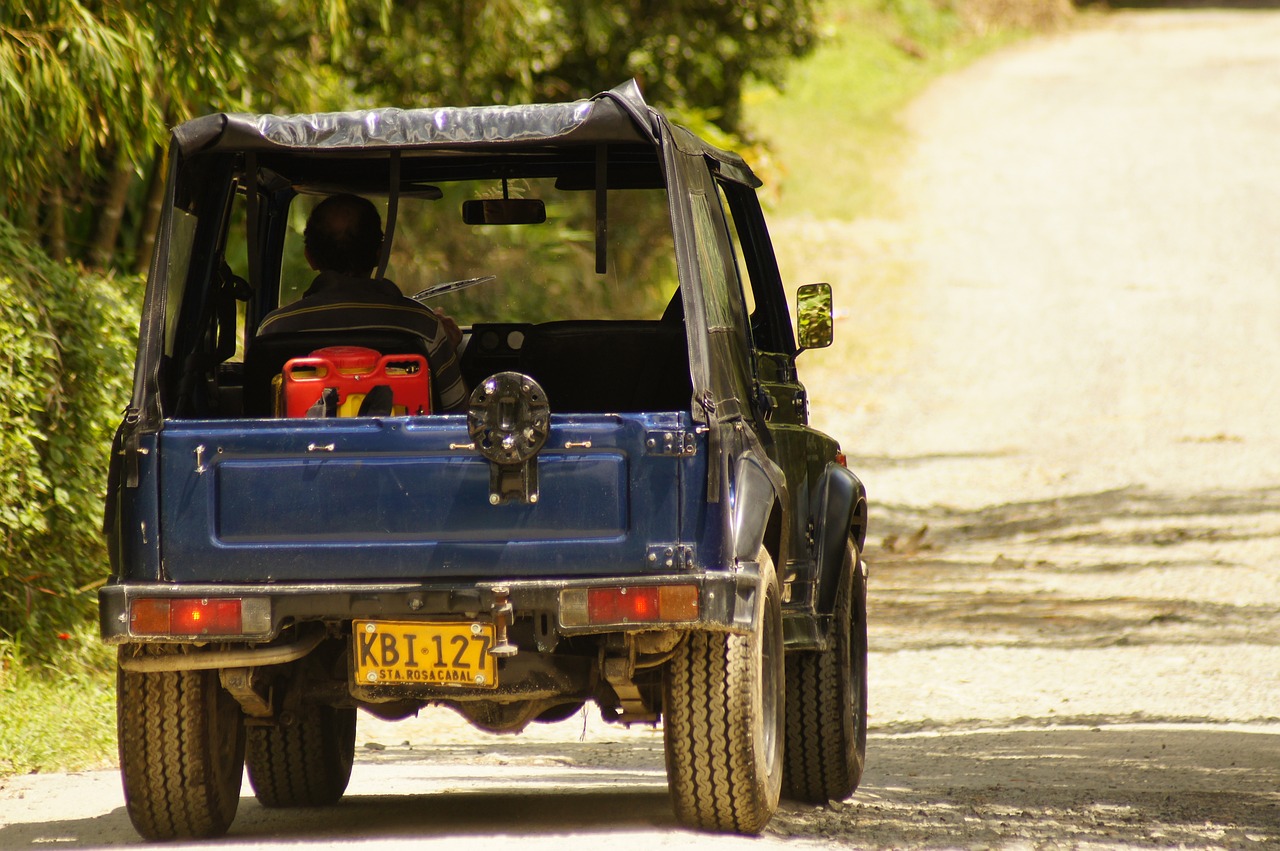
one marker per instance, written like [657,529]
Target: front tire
[826,727]
[305,761]
[723,700]
[181,753]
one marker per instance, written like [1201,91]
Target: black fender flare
[841,516]
[758,488]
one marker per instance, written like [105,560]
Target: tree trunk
[103,248]
[462,52]
[57,224]
[150,214]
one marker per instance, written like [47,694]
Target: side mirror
[504,211]
[813,316]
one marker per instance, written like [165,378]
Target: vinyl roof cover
[618,115]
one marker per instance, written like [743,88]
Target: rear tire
[723,699]
[181,753]
[304,763]
[826,727]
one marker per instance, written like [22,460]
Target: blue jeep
[632,511]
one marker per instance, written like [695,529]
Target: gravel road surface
[1057,372]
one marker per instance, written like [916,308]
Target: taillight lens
[629,604]
[622,605]
[199,616]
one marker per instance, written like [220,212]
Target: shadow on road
[1042,517]
[1143,785]
[549,810]
[1074,571]
[553,807]
[1114,786]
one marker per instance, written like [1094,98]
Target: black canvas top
[619,115]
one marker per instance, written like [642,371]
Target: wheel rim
[771,683]
[856,656]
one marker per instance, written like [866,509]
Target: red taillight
[630,604]
[841,459]
[205,617]
[622,605]
[185,616]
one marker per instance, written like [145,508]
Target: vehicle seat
[266,356]
[610,366]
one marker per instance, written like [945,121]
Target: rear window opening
[529,297]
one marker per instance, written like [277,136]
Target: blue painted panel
[139,517]
[368,499]
[406,498]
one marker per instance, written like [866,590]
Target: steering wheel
[451,287]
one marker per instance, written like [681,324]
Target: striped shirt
[338,302]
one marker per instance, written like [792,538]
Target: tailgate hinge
[677,443]
[670,557]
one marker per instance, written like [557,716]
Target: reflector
[149,617]
[678,602]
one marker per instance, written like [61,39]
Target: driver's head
[344,234]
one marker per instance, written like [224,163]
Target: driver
[342,241]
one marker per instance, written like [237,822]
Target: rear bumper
[727,602]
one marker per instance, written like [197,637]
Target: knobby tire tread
[825,737]
[170,753]
[303,764]
[709,734]
[817,764]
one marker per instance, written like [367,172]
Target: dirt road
[1057,373]
[1075,456]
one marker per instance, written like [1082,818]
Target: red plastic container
[353,371]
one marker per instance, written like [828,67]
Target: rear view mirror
[504,211]
[813,316]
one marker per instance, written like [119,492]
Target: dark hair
[344,234]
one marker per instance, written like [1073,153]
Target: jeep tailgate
[399,498]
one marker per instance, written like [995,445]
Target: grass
[834,129]
[58,716]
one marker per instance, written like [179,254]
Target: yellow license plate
[405,653]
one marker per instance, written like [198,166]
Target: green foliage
[834,122]
[701,54]
[75,84]
[686,54]
[66,345]
[547,272]
[88,88]
[924,22]
[541,272]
